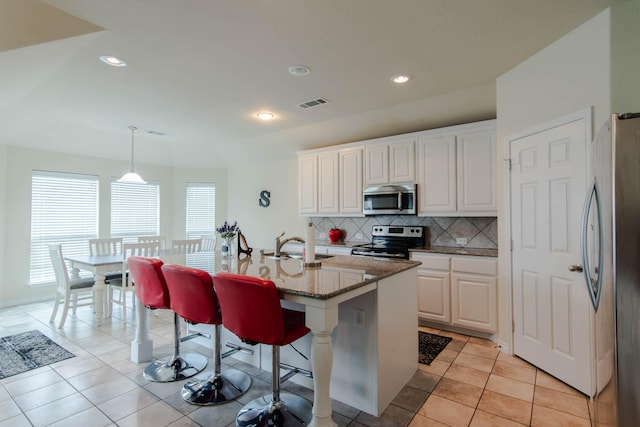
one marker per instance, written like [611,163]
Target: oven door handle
[377,254]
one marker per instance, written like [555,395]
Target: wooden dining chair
[151,239]
[74,293]
[148,250]
[110,246]
[187,246]
[208,244]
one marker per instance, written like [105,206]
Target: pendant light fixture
[131,177]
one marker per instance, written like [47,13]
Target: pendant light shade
[132,177]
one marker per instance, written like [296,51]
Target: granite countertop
[336,274]
[456,250]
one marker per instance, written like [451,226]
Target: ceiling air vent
[314,103]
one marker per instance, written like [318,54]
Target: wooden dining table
[99,265]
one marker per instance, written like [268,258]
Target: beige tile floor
[471,383]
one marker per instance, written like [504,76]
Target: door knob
[576,267]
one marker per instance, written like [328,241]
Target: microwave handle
[400,200]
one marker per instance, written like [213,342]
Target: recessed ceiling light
[401,78]
[299,70]
[113,61]
[265,116]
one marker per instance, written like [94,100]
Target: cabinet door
[328,182]
[437,178]
[473,302]
[351,181]
[376,164]
[308,184]
[402,161]
[477,173]
[434,295]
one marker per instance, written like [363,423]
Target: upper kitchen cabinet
[457,171]
[392,161]
[330,182]
[350,183]
[308,184]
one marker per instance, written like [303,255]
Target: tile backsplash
[480,232]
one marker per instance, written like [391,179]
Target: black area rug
[29,350]
[429,346]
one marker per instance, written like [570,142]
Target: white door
[550,303]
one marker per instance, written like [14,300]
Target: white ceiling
[199,71]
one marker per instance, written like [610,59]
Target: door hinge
[511,245]
[508,162]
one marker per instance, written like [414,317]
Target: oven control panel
[397,231]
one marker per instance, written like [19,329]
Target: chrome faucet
[281,243]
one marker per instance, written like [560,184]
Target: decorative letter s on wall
[264,198]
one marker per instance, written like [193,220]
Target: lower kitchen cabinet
[458,290]
[434,302]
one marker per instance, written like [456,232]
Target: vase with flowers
[228,233]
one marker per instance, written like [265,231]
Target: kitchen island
[362,314]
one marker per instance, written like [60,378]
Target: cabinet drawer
[432,262]
[474,265]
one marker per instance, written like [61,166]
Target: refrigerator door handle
[593,283]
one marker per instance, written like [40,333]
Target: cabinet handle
[576,267]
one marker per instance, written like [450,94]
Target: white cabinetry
[330,183]
[308,184]
[457,171]
[391,161]
[433,288]
[458,290]
[350,187]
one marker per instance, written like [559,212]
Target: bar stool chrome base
[176,368]
[212,389]
[291,410]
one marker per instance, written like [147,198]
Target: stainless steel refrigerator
[611,257]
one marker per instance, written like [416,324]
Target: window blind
[135,210]
[64,210]
[201,210]
[201,220]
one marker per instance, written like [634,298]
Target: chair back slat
[208,243]
[59,267]
[112,246]
[187,246]
[149,239]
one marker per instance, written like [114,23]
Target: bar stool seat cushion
[277,326]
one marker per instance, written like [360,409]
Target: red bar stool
[194,299]
[152,291]
[251,309]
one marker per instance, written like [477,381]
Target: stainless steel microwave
[390,200]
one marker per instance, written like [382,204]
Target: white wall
[625,57]
[569,75]
[261,225]
[3,221]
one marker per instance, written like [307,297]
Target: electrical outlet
[358,316]
[461,241]
[359,236]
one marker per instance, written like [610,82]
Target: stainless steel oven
[390,200]
[392,241]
